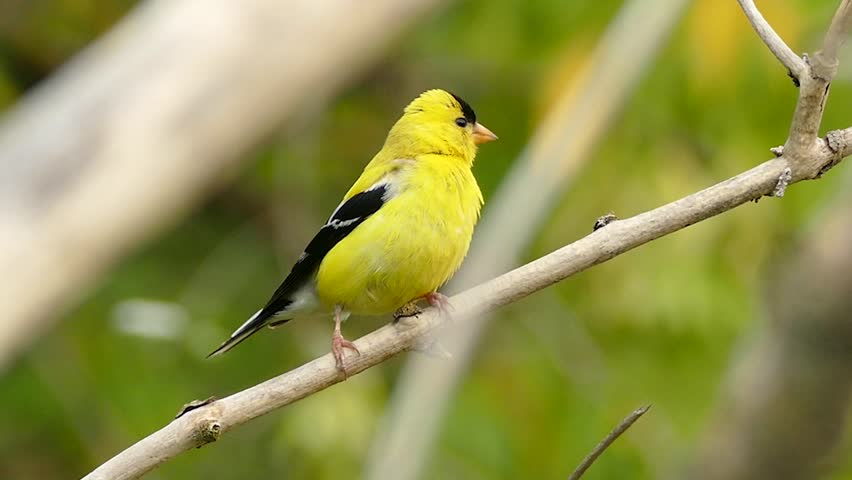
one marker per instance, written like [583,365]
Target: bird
[400,232]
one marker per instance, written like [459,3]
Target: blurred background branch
[513,217]
[784,410]
[140,127]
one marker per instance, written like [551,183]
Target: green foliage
[556,371]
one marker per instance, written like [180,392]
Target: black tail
[252,325]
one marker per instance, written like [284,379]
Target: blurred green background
[658,325]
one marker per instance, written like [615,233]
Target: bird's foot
[441,302]
[338,346]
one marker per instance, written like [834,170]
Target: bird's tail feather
[252,325]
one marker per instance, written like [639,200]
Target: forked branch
[813,75]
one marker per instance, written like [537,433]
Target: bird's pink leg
[338,343]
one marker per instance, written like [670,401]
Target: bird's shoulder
[391,173]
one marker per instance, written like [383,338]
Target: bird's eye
[461,121]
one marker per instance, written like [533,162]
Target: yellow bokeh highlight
[718,33]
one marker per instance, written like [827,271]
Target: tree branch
[607,441]
[814,85]
[207,423]
[795,65]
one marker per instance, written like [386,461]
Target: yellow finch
[400,232]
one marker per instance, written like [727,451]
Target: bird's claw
[338,346]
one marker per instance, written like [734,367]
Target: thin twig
[207,423]
[782,52]
[837,33]
[788,392]
[607,441]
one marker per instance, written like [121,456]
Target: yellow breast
[410,247]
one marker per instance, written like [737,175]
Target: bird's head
[438,122]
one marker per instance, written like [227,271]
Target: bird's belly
[376,269]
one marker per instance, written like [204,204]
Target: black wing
[342,222]
[345,219]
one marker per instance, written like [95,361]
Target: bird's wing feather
[343,221]
[348,215]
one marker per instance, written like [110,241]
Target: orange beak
[482,134]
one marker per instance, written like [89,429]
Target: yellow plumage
[400,232]
[415,242]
